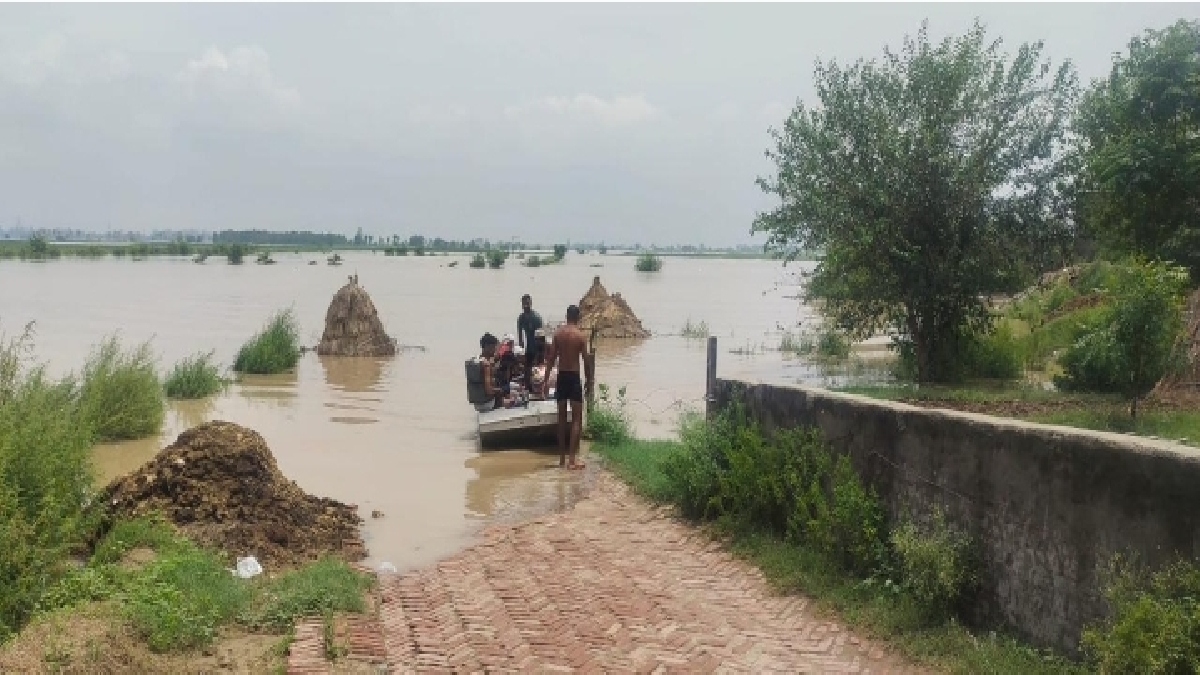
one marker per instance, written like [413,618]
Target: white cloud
[620,110]
[239,73]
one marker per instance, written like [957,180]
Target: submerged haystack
[220,485]
[352,326]
[608,315]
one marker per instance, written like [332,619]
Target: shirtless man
[568,349]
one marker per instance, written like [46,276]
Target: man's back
[569,346]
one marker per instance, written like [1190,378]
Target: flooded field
[397,434]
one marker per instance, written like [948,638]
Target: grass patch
[803,518]
[980,393]
[181,599]
[194,377]
[121,397]
[322,587]
[1173,425]
[275,349]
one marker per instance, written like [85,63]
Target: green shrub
[648,262]
[790,485]
[496,258]
[996,355]
[45,478]
[832,344]
[1133,348]
[178,600]
[533,261]
[607,419]
[1154,626]
[936,564]
[194,377]
[479,261]
[275,349]
[325,586]
[235,254]
[121,397]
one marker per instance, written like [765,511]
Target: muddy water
[397,434]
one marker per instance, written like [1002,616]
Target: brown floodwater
[397,434]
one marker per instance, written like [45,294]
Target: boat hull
[532,426]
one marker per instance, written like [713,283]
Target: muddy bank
[220,485]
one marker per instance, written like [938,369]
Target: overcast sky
[619,122]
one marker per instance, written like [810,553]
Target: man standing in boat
[569,349]
[528,323]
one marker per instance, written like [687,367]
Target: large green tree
[1140,149]
[929,178]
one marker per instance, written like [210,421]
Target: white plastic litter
[387,567]
[248,567]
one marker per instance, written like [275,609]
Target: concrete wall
[1049,505]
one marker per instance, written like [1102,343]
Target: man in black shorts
[529,323]
[568,349]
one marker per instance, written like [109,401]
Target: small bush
[607,420]
[832,344]
[276,349]
[936,565]
[179,600]
[479,261]
[325,586]
[1154,626]
[235,254]
[790,485]
[648,262]
[1133,348]
[533,261]
[560,252]
[121,397]
[45,479]
[996,355]
[496,258]
[194,377]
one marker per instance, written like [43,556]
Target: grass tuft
[275,349]
[194,377]
[121,397]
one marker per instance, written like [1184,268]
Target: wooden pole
[710,388]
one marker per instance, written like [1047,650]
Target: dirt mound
[608,315]
[1185,384]
[219,483]
[352,326]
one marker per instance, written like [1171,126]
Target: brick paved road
[613,585]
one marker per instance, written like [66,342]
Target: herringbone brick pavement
[613,585]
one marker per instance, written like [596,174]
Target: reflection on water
[359,374]
[516,485]
[397,434]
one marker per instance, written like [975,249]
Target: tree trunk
[1133,408]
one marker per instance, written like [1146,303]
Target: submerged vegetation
[194,377]
[648,262]
[273,350]
[120,395]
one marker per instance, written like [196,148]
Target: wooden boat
[532,426]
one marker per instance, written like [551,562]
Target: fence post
[710,388]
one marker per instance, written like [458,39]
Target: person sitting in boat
[538,375]
[483,391]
